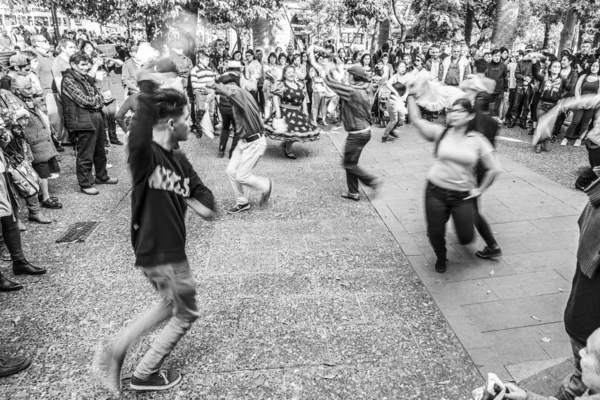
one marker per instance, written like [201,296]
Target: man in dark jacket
[497,71]
[526,69]
[82,106]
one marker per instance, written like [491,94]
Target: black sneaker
[387,140]
[488,253]
[393,134]
[440,265]
[238,208]
[161,380]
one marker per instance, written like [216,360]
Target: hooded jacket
[499,73]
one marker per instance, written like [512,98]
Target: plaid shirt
[71,88]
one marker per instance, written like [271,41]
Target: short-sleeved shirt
[457,157]
[59,66]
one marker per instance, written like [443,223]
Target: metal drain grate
[77,232]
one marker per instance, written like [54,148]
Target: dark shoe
[51,203]
[488,253]
[393,134]
[387,140]
[6,285]
[67,144]
[10,366]
[109,181]
[351,196]
[580,187]
[91,190]
[538,148]
[523,126]
[40,219]
[238,208]
[511,124]
[221,154]
[531,131]
[160,380]
[24,267]
[60,149]
[290,155]
[545,146]
[264,199]
[116,142]
[5,254]
[440,265]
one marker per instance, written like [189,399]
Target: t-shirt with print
[457,156]
[162,181]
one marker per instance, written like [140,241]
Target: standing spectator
[130,70]
[583,58]
[497,71]
[82,114]
[26,36]
[5,42]
[45,62]
[569,73]
[17,38]
[253,73]
[587,84]
[183,63]
[59,65]
[454,68]
[504,54]
[37,134]
[44,32]
[202,75]
[526,69]
[433,64]
[219,57]
[512,84]
[552,88]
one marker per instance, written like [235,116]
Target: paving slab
[499,310]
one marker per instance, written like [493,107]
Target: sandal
[351,196]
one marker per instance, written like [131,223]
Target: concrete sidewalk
[508,313]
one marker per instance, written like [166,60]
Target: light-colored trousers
[239,171]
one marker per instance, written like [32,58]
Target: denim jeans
[495,103]
[573,387]
[440,204]
[239,170]
[580,124]
[109,112]
[177,285]
[11,237]
[355,143]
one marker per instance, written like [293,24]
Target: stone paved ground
[508,314]
[311,298]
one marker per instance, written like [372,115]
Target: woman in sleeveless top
[452,188]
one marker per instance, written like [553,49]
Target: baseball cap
[358,72]
[18,60]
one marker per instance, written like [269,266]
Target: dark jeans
[440,204]
[495,102]
[109,112]
[520,109]
[588,175]
[91,153]
[560,120]
[534,106]
[573,387]
[581,122]
[11,237]
[483,227]
[228,121]
[355,143]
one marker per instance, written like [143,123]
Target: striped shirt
[202,76]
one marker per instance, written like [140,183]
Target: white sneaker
[108,166]
[577,143]
[564,142]
[53,176]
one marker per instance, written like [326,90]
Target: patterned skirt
[300,128]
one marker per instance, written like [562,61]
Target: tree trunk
[581,32]
[469,14]
[547,27]
[566,35]
[426,39]
[262,34]
[505,23]
[373,41]
[384,32]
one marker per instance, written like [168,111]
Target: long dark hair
[272,54]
